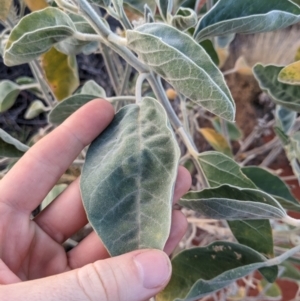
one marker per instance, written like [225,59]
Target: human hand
[32,249]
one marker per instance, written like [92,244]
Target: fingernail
[154,267]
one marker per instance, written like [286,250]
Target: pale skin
[33,263]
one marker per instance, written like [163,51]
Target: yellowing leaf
[61,73]
[217,141]
[297,55]
[223,54]
[290,74]
[34,5]
[242,67]
[5,7]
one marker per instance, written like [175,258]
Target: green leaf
[290,272]
[92,88]
[285,95]
[284,118]
[220,169]
[9,92]
[272,291]
[184,19]
[35,109]
[247,16]
[73,46]
[233,203]
[177,58]
[290,74]
[67,107]
[5,7]
[273,185]
[25,80]
[199,272]
[148,14]
[35,34]
[128,179]
[208,46]
[165,7]
[234,132]
[11,147]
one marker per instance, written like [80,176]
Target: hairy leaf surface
[220,169]
[285,95]
[285,118]
[232,203]
[35,109]
[273,185]
[67,107]
[234,132]
[92,88]
[199,272]
[128,179]
[35,34]
[184,18]
[177,58]
[10,146]
[247,16]
[9,92]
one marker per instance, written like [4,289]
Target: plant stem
[38,74]
[121,98]
[110,68]
[111,39]
[29,86]
[159,91]
[139,86]
[125,80]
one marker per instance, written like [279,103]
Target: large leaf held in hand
[285,95]
[182,62]
[11,147]
[128,179]
[247,16]
[35,34]
[273,185]
[199,272]
[233,203]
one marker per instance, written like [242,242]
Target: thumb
[135,276]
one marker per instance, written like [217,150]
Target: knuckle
[98,281]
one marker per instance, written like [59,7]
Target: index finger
[43,164]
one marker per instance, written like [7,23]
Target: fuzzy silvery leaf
[92,88]
[273,185]
[73,46]
[234,132]
[232,203]
[285,118]
[35,34]
[67,107]
[128,179]
[247,16]
[35,109]
[286,95]
[219,170]
[184,19]
[182,62]
[148,14]
[165,7]
[9,92]
[10,146]
[198,272]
